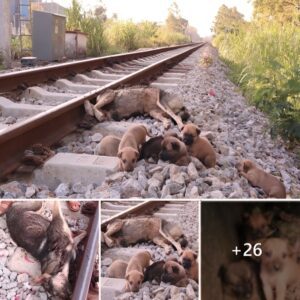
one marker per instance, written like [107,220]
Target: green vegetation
[264,59]
[108,36]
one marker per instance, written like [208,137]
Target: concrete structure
[75,44]
[5,29]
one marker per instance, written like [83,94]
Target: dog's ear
[198,130]
[120,154]
[247,165]
[175,269]
[182,127]
[195,255]
[141,276]
[175,146]
[127,277]
[137,154]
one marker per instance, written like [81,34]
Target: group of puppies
[179,150]
[278,266]
[170,147]
[49,241]
[140,269]
[125,232]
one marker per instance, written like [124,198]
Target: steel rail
[17,79]
[86,269]
[135,210]
[52,125]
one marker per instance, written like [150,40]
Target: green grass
[265,63]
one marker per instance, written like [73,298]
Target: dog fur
[198,146]
[188,260]
[108,146]
[135,270]
[175,151]
[270,184]
[154,271]
[117,269]
[279,268]
[128,151]
[174,273]
[124,232]
[50,242]
[152,148]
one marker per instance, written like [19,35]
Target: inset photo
[250,250]
[49,250]
[149,250]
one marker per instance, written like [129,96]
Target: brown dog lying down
[124,232]
[198,146]
[239,281]
[125,103]
[135,270]
[175,151]
[108,146]
[50,242]
[188,260]
[129,146]
[270,184]
[117,269]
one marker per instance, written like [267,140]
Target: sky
[199,13]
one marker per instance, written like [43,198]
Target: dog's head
[134,280]
[259,223]
[171,149]
[184,114]
[237,279]
[128,157]
[275,254]
[172,272]
[245,165]
[188,258]
[190,132]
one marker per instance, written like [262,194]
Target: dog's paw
[88,108]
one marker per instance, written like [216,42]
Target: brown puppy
[117,269]
[135,270]
[239,281]
[128,151]
[108,146]
[174,151]
[188,259]
[279,269]
[198,146]
[271,185]
[174,273]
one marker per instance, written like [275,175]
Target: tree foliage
[174,20]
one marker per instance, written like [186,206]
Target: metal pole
[5,29]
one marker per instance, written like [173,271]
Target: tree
[74,16]
[228,20]
[279,10]
[174,20]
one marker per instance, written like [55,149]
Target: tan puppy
[174,151]
[128,151]
[108,146]
[117,269]
[198,146]
[135,270]
[279,268]
[271,185]
[188,259]
[174,273]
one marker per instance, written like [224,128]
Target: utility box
[76,44]
[48,36]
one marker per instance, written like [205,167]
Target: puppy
[51,243]
[198,146]
[108,146]
[135,270]
[174,151]
[174,273]
[271,185]
[152,148]
[154,271]
[188,260]
[128,151]
[279,268]
[239,281]
[117,269]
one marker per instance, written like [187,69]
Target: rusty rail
[52,125]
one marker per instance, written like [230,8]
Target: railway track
[88,78]
[112,288]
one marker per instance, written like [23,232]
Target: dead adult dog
[50,242]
